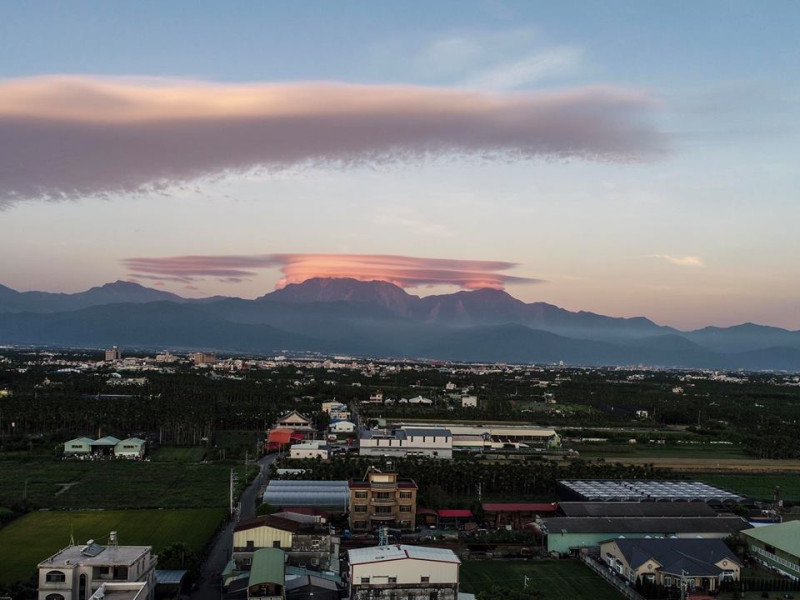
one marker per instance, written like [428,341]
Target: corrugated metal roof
[268,567]
[785,536]
[400,551]
[521,507]
[319,493]
[109,440]
[170,576]
[652,525]
[455,513]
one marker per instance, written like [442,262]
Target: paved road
[207,588]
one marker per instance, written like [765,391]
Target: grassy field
[71,484]
[698,451]
[758,486]
[190,454]
[29,540]
[555,579]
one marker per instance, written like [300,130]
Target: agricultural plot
[70,484]
[758,486]
[32,538]
[555,579]
[182,454]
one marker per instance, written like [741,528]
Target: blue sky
[701,234]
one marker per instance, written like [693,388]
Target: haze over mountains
[380,319]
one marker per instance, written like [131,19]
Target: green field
[184,454]
[758,486]
[114,484]
[32,538]
[700,451]
[555,579]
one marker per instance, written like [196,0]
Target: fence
[602,570]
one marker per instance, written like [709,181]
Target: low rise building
[295,421]
[310,449]
[79,447]
[692,563]
[383,501]
[517,515]
[776,546]
[322,494]
[401,571]
[303,544]
[132,448]
[77,572]
[469,401]
[267,578]
[409,441]
[342,427]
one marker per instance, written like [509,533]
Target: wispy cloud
[528,69]
[404,271]
[69,137]
[681,261]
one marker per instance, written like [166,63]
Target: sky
[634,158]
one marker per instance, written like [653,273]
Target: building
[495,437]
[105,446]
[776,546]
[689,563]
[420,400]
[203,358]
[310,587]
[310,449]
[336,410]
[409,441]
[113,354]
[400,571]
[636,509]
[568,535]
[322,494]
[267,578]
[634,490]
[80,447]
[132,448]
[517,515]
[77,572]
[295,421]
[342,427]
[303,544]
[383,501]
[469,401]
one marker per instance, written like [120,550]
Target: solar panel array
[639,490]
[320,494]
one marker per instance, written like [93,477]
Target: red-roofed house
[518,515]
[453,517]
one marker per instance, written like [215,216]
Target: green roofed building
[776,546]
[267,575]
[130,448]
[81,446]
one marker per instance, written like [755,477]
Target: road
[218,556]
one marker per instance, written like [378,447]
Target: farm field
[555,579]
[183,454]
[758,486]
[686,451]
[72,484]
[34,537]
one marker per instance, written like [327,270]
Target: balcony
[383,517]
[382,486]
[383,501]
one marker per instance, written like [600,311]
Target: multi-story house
[304,544]
[400,571]
[383,501]
[77,572]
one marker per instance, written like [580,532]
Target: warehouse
[643,490]
[326,495]
[776,546]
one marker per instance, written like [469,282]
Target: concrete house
[383,501]
[694,563]
[776,546]
[105,446]
[400,571]
[310,449]
[132,448]
[77,572]
[343,427]
[81,446]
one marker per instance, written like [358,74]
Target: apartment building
[383,501]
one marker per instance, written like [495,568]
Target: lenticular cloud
[68,137]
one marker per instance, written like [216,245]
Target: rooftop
[521,507]
[268,567]
[400,551]
[651,525]
[785,536]
[95,554]
[695,558]
[637,509]
[269,521]
[643,489]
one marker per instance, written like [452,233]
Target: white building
[77,572]
[343,427]
[420,400]
[408,441]
[310,449]
[469,401]
[385,572]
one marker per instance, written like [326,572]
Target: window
[276,544]
[425,579]
[392,579]
[55,577]
[54,597]
[405,508]
[365,580]
[360,508]
[361,495]
[668,581]
[406,495]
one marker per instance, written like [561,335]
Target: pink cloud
[67,137]
[404,271]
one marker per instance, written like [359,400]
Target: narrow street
[208,588]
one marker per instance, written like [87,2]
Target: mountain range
[379,319]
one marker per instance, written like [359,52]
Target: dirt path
[65,487]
